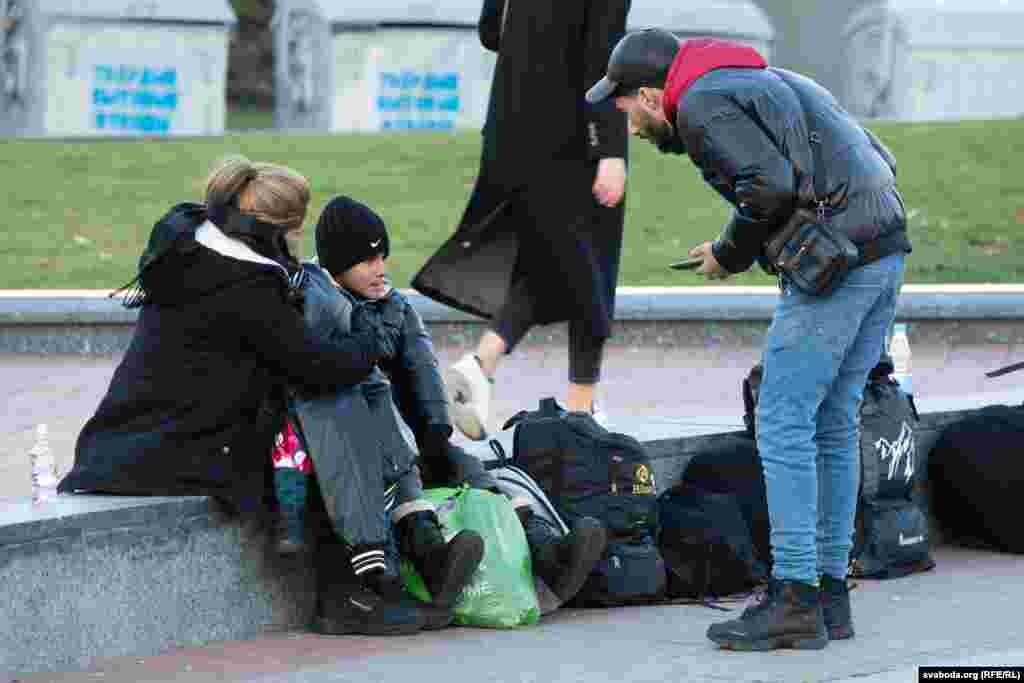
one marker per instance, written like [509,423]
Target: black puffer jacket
[416,383]
[191,408]
[749,133]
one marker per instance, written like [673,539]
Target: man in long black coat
[540,239]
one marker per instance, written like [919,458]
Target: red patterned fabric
[288,452]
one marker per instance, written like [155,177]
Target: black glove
[433,443]
[435,467]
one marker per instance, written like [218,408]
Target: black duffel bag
[976,471]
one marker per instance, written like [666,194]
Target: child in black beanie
[352,245]
[357,436]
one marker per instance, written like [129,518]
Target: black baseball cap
[640,59]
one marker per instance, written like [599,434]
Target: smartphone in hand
[688,264]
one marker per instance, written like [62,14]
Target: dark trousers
[517,316]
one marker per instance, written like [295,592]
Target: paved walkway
[966,611]
[671,382]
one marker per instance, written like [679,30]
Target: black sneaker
[446,569]
[432,616]
[835,607]
[787,616]
[375,606]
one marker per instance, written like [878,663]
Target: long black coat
[532,213]
[191,408]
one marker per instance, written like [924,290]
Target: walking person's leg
[471,378]
[470,381]
[585,355]
[565,270]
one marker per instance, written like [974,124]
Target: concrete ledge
[86,577]
[88,321]
[918,302]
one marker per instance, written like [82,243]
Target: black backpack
[714,530]
[707,544]
[585,470]
[891,535]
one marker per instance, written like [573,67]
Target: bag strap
[1005,370]
[524,480]
[548,407]
[504,18]
[499,451]
[822,202]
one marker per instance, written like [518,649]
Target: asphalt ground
[666,381]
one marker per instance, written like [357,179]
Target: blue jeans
[818,354]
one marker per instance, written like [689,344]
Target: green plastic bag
[501,592]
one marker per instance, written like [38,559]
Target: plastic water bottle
[44,468]
[899,349]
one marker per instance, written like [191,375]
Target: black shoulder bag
[809,255]
[806,251]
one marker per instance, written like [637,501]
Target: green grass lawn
[78,213]
[242,117]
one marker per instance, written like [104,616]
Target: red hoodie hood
[699,56]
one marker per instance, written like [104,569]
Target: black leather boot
[565,562]
[788,616]
[835,607]
[445,567]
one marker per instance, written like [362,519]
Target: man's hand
[610,182]
[711,269]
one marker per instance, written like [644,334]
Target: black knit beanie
[348,233]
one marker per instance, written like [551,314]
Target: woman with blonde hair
[194,405]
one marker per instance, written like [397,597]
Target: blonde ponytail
[270,192]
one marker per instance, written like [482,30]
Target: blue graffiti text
[134,99]
[139,123]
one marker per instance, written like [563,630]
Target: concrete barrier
[86,577]
[89,321]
